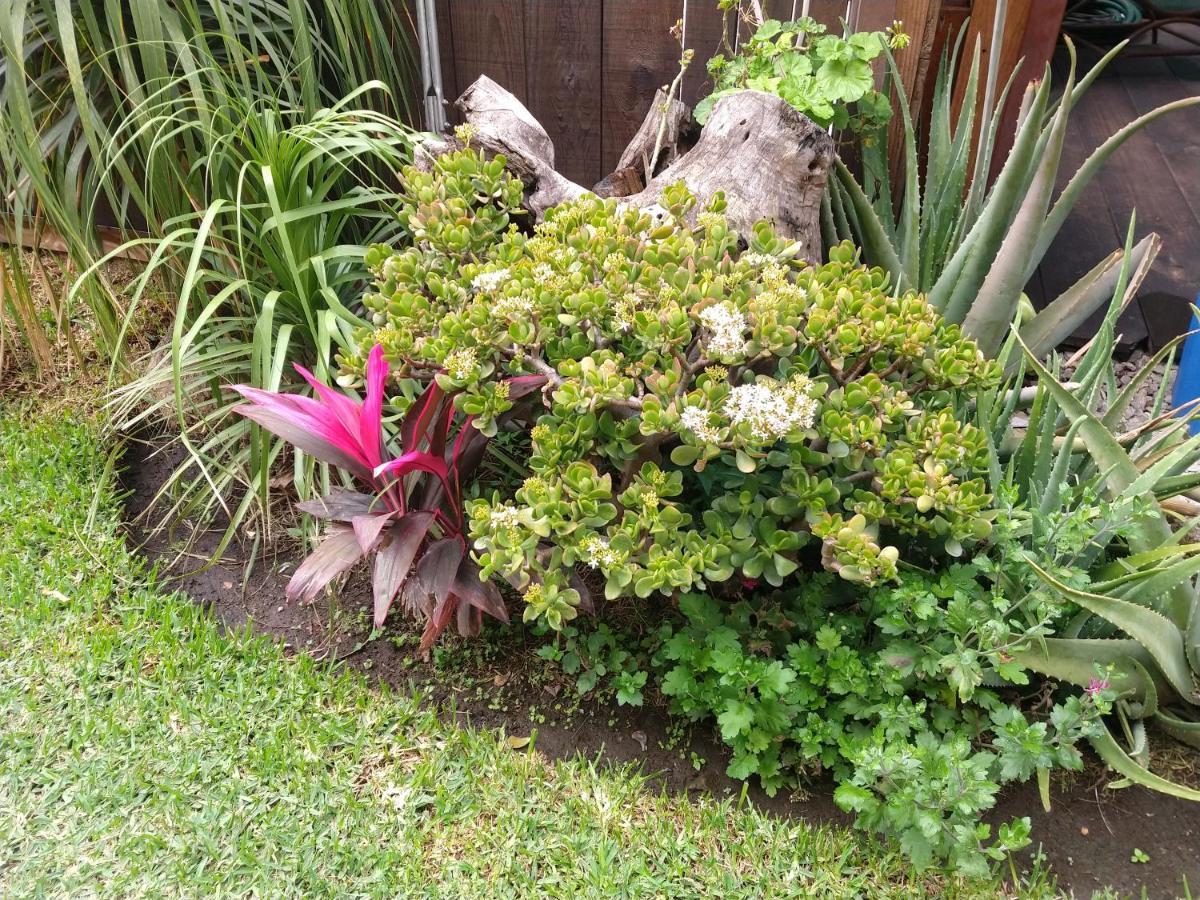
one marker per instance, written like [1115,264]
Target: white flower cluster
[772,410]
[709,219]
[488,281]
[598,553]
[512,308]
[758,260]
[727,327]
[696,420]
[461,365]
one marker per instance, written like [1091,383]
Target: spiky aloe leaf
[1116,410]
[1074,661]
[1162,639]
[1185,730]
[963,275]
[1064,314]
[995,304]
[1070,194]
[1110,751]
[876,243]
[1120,472]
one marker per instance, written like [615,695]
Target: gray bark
[770,162]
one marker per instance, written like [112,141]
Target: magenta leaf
[306,435]
[337,553]
[342,408]
[414,461]
[395,559]
[371,417]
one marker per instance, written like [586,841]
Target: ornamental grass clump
[711,414]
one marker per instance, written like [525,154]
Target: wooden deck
[1156,173]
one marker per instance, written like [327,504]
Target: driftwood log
[771,162]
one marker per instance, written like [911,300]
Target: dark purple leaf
[470,620]
[337,553]
[524,385]
[394,561]
[586,603]
[467,453]
[415,600]
[420,414]
[439,429]
[339,505]
[438,568]
[369,528]
[438,620]
[480,594]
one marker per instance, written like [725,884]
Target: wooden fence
[587,69]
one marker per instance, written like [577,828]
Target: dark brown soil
[497,682]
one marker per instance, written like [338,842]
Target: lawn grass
[145,752]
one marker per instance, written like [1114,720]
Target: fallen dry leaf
[516,743]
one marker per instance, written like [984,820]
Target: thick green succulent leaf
[1070,194]
[995,304]
[1154,631]
[1185,730]
[1074,661]
[1110,751]
[1065,313]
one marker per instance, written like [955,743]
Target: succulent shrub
[710,413]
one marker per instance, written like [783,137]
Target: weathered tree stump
[769,161]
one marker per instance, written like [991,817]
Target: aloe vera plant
[969,247]
[1140,614]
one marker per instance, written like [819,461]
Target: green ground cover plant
[148,752]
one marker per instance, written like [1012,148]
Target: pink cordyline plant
[410,514]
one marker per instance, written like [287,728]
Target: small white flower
[696,420]
[485,282]
[772,410]
[598,553]
[727,326]
[758,260]
[512,308]
[461,365]
[504,516]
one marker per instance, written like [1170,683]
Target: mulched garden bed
[497,682]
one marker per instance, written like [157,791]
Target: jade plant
[709,414]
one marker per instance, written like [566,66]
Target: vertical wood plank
[489,39]
[639,56]
[563,81]
[450,86]
[704,36]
